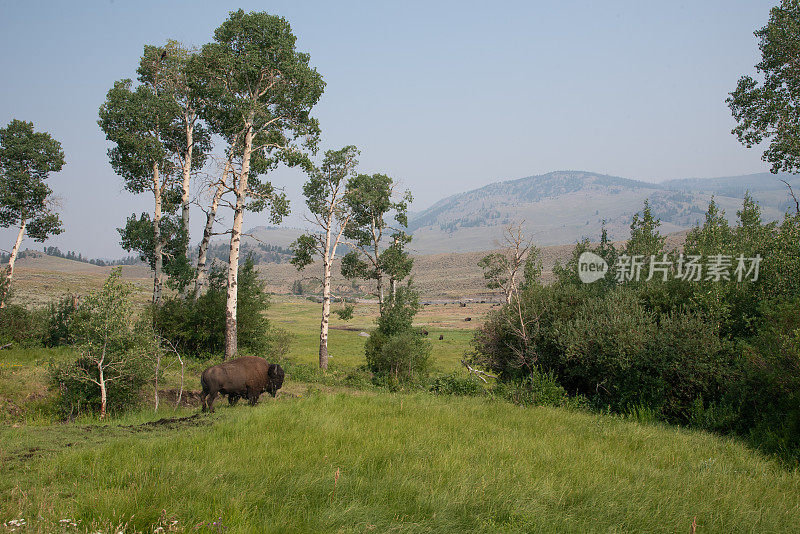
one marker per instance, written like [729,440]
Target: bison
[248,376]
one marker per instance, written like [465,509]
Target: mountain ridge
[563,207]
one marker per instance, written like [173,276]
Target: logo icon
[591,267]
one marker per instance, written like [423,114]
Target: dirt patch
[346,328]
[170,422]
[9,409]
[189,398]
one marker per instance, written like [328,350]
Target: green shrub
[537,389]
[402,357]
[769,409]
[78,395]
[359,378]
[455,384]
[21,326]
[396,353]
[111,353]
[59,315]
[345,313]
[197,326]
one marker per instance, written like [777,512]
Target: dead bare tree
[219,186]
[791,193]
[502,269]
[170,347]
[524,330]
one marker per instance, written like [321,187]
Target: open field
[301,318]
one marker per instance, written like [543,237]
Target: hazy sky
[444,96]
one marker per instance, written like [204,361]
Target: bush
[79,396]
[21,326]
[454,384]
[111,370]
[769,409]
[396,353]
[719,355]
[59,315]
[197,326]
[400,358]
[537,389]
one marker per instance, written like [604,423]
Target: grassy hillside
[40,279]
[405,463]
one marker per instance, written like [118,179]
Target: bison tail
[203,383]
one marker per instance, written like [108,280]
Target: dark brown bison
[248,377]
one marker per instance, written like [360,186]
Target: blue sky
[443,96]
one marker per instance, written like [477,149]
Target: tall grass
[407,463]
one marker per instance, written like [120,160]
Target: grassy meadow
[301,318]
[406,462]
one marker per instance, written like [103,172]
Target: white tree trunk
[231,341]
[11,261]
[327,259]
[103,393]
[158,245]
[201,276]
[187,175]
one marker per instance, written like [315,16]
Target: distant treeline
[260,252]
[77,256]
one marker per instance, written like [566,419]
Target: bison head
[276,374]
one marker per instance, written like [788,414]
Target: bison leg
[252,396]
[208,402]
[233,398]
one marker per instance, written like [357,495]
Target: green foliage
[716,354]
[138,235]
[77,394]
[21,326]
[326,192]
[59,315]
[645,239]
[270,113]
[297,287]
[394,350]
[304,249]
[770,110]
[371,203]
[135,120]
[103,330]
[536,389]
[495,267]
[196,326]
[345,313]
[770,396]
[27,158]
[456,384]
